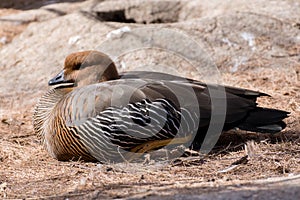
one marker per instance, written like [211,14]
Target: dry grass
[8,30]
[26,170]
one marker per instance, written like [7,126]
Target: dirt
[268,167]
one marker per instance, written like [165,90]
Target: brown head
[85,68]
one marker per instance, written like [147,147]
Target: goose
[93,113]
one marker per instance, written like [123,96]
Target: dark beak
[58,79]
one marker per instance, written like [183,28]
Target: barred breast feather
[92,122]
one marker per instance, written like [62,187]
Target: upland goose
[96,114]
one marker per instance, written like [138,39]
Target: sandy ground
[27,171]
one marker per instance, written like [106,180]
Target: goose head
[85,68]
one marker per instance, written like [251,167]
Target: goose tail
[264,120]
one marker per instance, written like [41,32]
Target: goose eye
[81,65]
[77,66]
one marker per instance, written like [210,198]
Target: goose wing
[122,115]
[245,93]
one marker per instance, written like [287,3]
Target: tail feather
[264,120]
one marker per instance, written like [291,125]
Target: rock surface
[235,40]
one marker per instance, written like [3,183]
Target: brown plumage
[96,114]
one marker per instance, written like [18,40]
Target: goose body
[96,114]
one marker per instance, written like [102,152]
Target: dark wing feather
[110,99]
[245,93]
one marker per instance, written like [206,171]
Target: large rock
[144,11]
[234,42]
